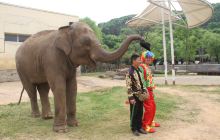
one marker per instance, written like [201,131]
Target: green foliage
[94,27]
[212,44]
[114,26]
[156,40]
[214,22]
[112,41]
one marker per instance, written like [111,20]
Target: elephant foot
[47,116]
[60,129]
[35,114]
[72,122]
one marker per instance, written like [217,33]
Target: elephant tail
[21,96]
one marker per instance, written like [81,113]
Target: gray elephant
[48,60]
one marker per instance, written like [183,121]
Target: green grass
[101,114]
[166,104]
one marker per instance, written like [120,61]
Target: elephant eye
[85,41]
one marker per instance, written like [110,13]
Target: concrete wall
[20,20]
[195,68]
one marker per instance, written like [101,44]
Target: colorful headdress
[147,54]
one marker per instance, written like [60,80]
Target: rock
[110,74]
[117,77]
[102,76]
[122,72]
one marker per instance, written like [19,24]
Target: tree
[94,27]
[111,41]
[212,44]
[214,22]
[114,26]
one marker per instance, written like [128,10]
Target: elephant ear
[62,40]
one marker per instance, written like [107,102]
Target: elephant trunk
[103,56]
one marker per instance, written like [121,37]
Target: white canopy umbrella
[196,12]
[150,16]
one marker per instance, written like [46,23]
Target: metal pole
[171,44]
[164,46]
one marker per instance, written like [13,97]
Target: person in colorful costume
[136,92]
[147,57]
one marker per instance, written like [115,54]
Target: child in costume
[147,58]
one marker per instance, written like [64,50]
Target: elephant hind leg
[43,90]
[32,93]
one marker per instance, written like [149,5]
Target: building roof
[18,6]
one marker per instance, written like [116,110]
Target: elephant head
[81,45]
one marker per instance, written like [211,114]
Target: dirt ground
[198,117]
[10,91]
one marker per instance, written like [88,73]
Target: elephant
[48,60]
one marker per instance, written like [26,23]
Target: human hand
[147,94]
[132,101]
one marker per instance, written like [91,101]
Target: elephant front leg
[59,90]
[71,102]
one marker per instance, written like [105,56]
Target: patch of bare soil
[10,91]
[197,119]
